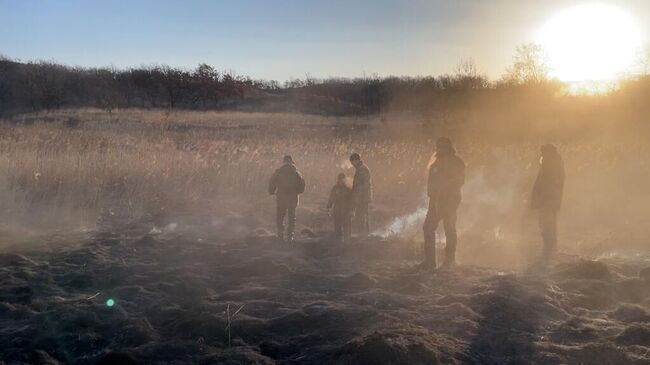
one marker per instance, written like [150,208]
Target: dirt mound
[122,358]
[633,290]
[237,356]
[635,335]
[389,349]
[645,273]
[631,313]
[512,314]
[600,353]
[586,269]
[575,330]
[12,259]
[43,358]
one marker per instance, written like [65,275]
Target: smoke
[493,197]
[407,224]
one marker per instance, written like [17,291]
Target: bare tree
[174,82]
[45,85]
[207,88]
[467,75]
[529,66]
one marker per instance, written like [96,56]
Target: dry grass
[74,166]
[80,161]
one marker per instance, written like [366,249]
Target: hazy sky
[279,39]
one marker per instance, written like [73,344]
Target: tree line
[34,86]
[46,85]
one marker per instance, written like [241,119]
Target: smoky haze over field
[136,225]
[166,213]
[90,168]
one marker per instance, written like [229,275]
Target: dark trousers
[286,206]
[361,218]
[548,228]
[445,212]
[342,225]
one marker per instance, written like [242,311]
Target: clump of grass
[230,317]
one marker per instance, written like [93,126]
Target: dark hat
[444,146]
[548,149]
[444,142]
[287,159]
[355,157]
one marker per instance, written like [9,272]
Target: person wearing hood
[547,196]
[446,178]
[339,206]
[286,184]
[361,194]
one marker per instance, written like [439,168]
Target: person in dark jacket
[340,205]
[361,194]
[547,197]
[286,184]
[446,178]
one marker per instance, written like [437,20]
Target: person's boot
[429,262]
[448,264]
[450,261]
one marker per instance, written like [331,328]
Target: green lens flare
[110,303]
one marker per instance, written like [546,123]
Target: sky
[283,39]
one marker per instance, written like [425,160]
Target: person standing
[340,206]
[361,194]
[446,178]
[547,197]
[286,184]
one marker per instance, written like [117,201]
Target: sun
[590,42]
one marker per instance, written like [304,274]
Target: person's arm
[273,183]
[301,183]
[559,185]
[365,184]
[330,202]
[459,174]
[355,182]
[430,183]
[354,191]
[536,196]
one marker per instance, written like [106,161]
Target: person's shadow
[507,331]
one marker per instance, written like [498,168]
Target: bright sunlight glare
[591,42]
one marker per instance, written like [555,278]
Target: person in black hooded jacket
[446,178]
[286,184]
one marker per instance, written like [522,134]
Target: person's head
[549,153]
[287,159]
[444,147]
[340,178]
[548,150]
[355,159]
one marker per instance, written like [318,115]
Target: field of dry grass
[77,168]
[79,162]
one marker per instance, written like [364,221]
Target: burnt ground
[312,302]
